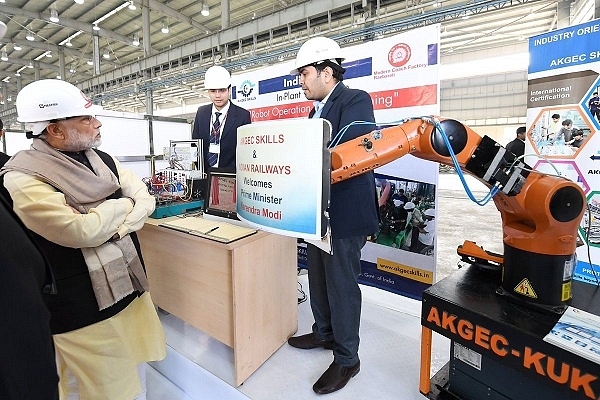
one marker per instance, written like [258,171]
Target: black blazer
[28,367]
[236,117]
[353,207]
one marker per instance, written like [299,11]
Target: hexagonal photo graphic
[560,132]
[565,169]
[591,103]
[590,223]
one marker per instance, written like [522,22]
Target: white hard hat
[409,206]
[430,212]
[42,101]
[316,50]
[217,77]
[398,202]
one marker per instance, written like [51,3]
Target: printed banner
[401,75]
[280,180]
[563,119]
[399,72]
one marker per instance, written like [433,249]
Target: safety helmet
[47,99]
[398,202]
[409,206]
[430,212]
[217,77]
[315,50]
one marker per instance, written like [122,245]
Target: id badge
[214,148]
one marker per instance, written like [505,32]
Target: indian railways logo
[246,88]
[399,54]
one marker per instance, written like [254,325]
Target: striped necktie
[214,139]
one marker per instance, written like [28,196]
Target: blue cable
[493,190]
[336,139]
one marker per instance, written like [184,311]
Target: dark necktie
[214,138]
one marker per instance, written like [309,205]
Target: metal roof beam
[170,12]
[69,23]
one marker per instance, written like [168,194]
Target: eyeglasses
[84,119]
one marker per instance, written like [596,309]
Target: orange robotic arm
[540,213]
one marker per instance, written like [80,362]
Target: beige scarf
[115,268]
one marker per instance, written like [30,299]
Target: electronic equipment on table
[220,203]
[180,187]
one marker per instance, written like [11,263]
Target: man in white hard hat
[82,210]
[335,296]
[426,231]
[216,124]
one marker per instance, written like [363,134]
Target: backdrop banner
[564,81]
[401,75]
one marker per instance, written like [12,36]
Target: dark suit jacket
[517,147]
[28,368]
[236,117]
[353,205]
[3,158]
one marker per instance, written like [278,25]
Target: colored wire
[493,190]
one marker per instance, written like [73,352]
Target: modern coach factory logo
[246,88]
[399,54]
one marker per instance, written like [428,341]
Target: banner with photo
[401,75]
[563,120]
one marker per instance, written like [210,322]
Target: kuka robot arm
[540,213]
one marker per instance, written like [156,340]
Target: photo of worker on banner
[402,207]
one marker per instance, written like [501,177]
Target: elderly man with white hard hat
[216,123]
[83,209]
[335,296]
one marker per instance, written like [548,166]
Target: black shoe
[310,341]
[335,378]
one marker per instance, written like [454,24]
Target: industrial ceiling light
[131,6]
[30,36]
[79,1]
[205,11]
[17,73]
[16,47]
[30,65]
[49,54]
[136,40]
[106,55]
[4,56]
[53,15]
[69,44]
[90,62]
[165,27]
[96,27]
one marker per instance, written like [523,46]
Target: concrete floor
[460,219]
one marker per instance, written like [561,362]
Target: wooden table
[243,293]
